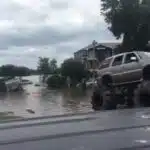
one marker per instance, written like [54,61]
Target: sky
[48,28]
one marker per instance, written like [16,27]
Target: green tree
[11,70]
[53,65]
[74,69]
[128,19]
[21,71]
[43,65]
[7,70]
[56,81]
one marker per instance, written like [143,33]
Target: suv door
[117,69]
[132,68]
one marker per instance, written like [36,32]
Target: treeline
[47,66]
[71,68]
[12,70]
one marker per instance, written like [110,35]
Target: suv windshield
[105,63]
[117,61]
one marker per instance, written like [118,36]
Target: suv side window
[117,61]
[128,58]
[105,63]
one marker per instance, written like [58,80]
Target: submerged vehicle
[8,84]
[26,82]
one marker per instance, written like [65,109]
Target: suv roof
[124,54]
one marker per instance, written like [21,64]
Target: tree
[43,65]
[56,81]
[130,19]
[7,70]
[21,71]
[53,65]
[74,69]
[11,70]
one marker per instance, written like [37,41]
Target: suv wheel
[106,80]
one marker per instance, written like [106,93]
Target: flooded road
[45,102]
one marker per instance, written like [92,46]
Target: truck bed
[118,129]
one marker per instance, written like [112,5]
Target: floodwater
[45,102]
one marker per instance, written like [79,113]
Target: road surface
[119,129]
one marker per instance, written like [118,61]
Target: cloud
[50,28]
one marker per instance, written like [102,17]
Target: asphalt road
[120,129]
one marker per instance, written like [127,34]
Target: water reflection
[45,101]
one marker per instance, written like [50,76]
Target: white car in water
[12,84]
[91,83]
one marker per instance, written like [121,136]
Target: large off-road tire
[96,98]
[106,80]
[146,72]
[109,99]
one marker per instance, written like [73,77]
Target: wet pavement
[107,130]
[45,102]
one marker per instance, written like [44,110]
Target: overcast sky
[51,28]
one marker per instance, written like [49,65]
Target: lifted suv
[124,68]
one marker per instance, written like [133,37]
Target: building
[81,56]
[93,54]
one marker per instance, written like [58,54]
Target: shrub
[56,81]
[73,69]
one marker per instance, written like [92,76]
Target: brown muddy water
[45,102]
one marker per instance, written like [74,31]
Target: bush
[73,69]
[56,81]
